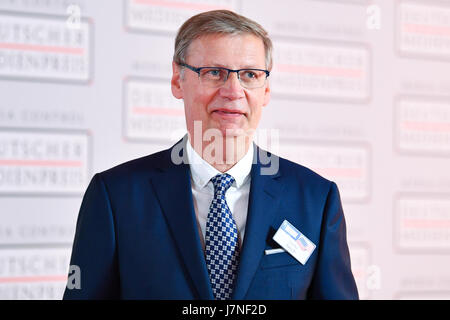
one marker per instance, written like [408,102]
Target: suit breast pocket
[277,260]
[279,277]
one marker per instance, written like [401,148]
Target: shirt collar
[202,171]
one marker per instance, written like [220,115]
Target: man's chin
[234,132]
[228,131]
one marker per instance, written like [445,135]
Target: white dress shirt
[203,190]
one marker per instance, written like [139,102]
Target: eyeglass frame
[197,70]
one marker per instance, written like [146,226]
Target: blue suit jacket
[137,236]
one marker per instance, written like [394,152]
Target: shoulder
[292,168]
[305,176]
[139,168]
[296,173]
[288,167]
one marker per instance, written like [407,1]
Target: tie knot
[222,182]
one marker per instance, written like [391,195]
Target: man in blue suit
[197,221]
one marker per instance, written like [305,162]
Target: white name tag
[294,242]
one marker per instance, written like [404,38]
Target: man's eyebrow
[219,65]
[212,64]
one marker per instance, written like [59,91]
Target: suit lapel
[262,209]
[173,189]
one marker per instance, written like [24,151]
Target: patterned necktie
[221,240]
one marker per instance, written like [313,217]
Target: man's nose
[232,88]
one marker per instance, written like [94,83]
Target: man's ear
[177,91]
[266,94]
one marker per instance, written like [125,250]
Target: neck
[223,153]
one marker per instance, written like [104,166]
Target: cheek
[256,117]
[204,99]
[256,108]
[197,105]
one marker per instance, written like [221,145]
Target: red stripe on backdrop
[40,163]
[40,48]
[27,279]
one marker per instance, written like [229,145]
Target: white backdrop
[360,94]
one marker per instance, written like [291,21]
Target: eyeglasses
[214,77]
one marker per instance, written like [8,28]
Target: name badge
[294,242]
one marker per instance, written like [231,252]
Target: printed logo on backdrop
[424,285]
[423,29]
[41,6]
[33,274]
[43,162]
[151,111]
[41,117]
[422,126]
[44,47]
[422,295]
[21,226]
[422,223]
[168,16]
[346,164]
[321,70]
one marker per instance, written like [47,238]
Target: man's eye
[213,72]
[250,74]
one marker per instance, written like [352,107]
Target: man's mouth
[228,112]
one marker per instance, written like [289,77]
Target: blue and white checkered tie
[221,240]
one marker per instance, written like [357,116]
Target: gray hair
[218,22]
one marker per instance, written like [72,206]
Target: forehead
[233,51]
